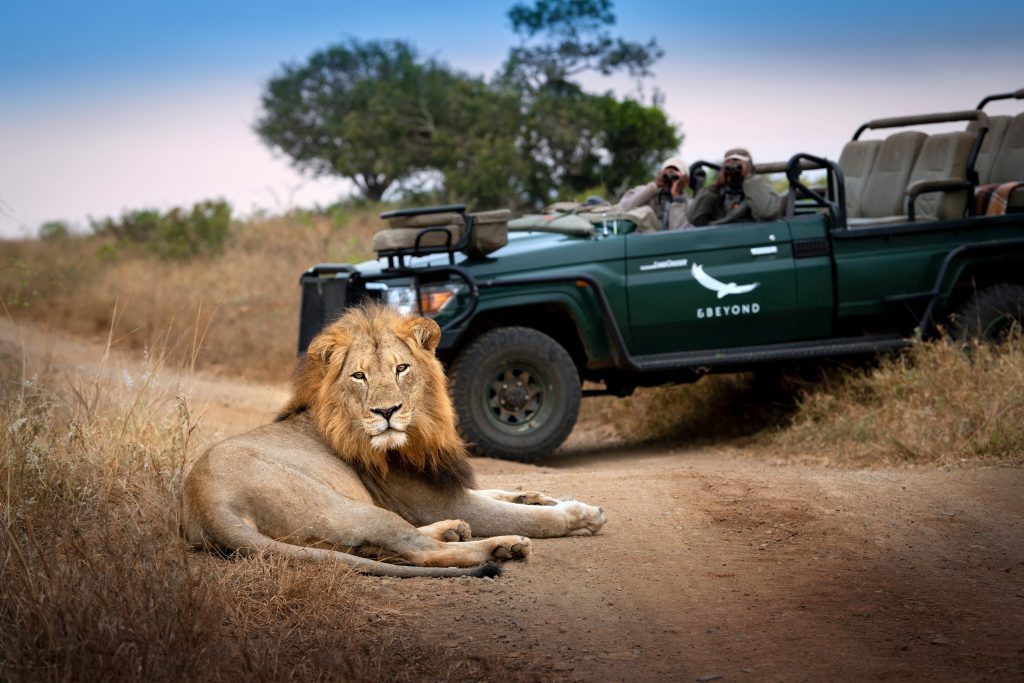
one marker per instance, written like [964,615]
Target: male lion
[364,461]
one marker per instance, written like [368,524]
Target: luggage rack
[397,256]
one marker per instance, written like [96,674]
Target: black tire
[992,314]
[516,392]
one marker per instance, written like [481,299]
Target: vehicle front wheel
[516,392]
[992,314]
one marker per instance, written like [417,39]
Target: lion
[364,464]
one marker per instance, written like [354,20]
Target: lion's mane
[433,447]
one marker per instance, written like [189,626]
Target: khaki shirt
[647,195]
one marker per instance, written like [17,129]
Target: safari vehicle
[907,234]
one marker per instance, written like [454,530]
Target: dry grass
[96,584]
[716,408]
[245,303]
[937,404]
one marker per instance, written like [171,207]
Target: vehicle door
[715,287]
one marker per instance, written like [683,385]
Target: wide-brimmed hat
[738,153]
[676,162]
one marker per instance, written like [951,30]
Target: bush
[54,231]
[175,235]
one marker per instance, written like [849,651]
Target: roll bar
[1015,95]
[836,185]
[922,119]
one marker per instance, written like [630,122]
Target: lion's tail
[248,542]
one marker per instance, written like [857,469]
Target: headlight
[433,298]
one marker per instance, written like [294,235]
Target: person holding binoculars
[737,195]
[666,196]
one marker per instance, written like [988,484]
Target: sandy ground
[714,565]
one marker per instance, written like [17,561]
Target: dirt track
[713,562]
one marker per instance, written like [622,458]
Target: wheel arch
[973,275]
[552,318]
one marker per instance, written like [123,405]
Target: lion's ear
[326,344]
[425,331]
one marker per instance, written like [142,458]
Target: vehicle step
[752,355]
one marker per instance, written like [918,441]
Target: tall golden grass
[244,302]
[96,583]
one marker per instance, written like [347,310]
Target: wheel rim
[516,398]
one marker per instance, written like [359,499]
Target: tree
[357,110]
[560,39]
[574,141]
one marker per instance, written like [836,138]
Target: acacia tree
[560,39]
[574,141]
[357,110]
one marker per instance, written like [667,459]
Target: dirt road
[714,563]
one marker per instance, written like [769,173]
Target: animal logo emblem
[723,289]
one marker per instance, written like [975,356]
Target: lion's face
[381,384]
[375,389]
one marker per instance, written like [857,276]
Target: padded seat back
[884,190]
[942,157]
[997,126]
[855,162]
[1009,162]
[490,232]
[402,231]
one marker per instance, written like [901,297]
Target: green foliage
[175,235]
[54,231]
[137,226]
[360,110]
[560,39]
[573,140]
[378,114]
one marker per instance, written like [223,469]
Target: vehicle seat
[855,162]
[883,198]
[490,232]
[943,157]
[402,231]
[1008,169]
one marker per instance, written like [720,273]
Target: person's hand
[659,180]
[679,186]
[746,168]
[720,179]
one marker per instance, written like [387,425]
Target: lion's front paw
[582,518]
[535,498]
[511,547]
[448,530]
[458,533]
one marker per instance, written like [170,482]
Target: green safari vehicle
[905,233]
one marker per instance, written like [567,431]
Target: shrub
[175,235]
[54,231]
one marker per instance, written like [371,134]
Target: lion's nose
[386,413]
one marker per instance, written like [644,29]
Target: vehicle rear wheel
[516,392]
[992,314]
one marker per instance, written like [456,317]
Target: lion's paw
[511,547]
[535,498]
[582,518]
[458,533]
[448,530]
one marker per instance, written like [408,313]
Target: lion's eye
[402,368]
[358,375]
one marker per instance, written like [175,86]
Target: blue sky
[112,105]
